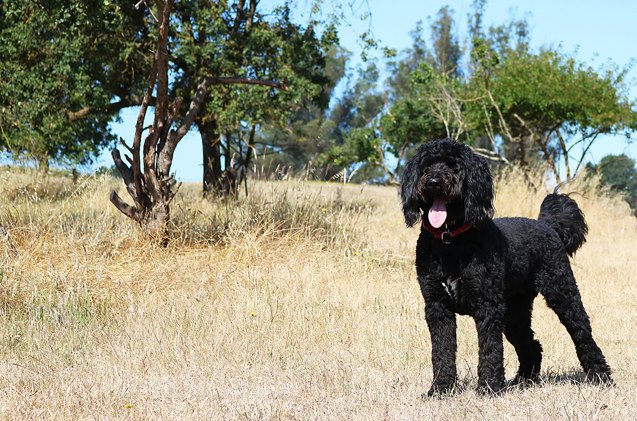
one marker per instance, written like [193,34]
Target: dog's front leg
[442,327]
[489,319]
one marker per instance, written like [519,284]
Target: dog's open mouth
[438,212]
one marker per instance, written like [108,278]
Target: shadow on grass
[574,377]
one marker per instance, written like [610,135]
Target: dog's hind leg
[562,296]
[518,331]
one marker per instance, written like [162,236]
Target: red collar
[445,235]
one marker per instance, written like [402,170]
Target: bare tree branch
[238,16]
[501,121]
[490,155]
[123,143]
[282,86]
[489,129]
[542,142]
[565,152]
[592,138]
[124,207]
[124,102]
[127,176]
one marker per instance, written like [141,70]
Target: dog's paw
[439,391]
[492,388]
[523,381]
[602,378]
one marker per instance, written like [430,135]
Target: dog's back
[534,245]
[559,214]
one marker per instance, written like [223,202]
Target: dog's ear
[478,190]
[409,194]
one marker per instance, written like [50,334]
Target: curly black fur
[494,269]
[565,217]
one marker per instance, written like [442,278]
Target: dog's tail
[566,218]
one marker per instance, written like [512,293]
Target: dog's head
[449,183]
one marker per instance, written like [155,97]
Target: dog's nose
[433,183]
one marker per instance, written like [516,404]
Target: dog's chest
[451,286]
[456,291]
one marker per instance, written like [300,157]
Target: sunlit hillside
[297,302]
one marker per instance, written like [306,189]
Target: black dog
[468,263]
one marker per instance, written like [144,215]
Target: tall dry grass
[299,302]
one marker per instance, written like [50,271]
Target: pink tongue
[437,213]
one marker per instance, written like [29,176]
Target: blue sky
[595,32]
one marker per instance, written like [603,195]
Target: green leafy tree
[620,174]
[67,69]
[336,141]
[446,48]
[539,107]
[146,172]
[550,105]
[369,137]
[425,87]
[309,132]
[412,119]
[400,66]
[235,43]
[355,139]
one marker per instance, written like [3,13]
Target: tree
[540,107]
[430,111]
[400,66]
[362,132]
[152,189]
[308,132]
[554,103]
[146,173]
[425,86]
[620,174]
[213,39]
[339,140]
[446,48]
[355,139]
[68,67]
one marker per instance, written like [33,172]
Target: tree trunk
[152,189]
[42,163]
[522,152]
[242,175]
[211,146]
[154,222]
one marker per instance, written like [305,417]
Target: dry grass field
[298,303]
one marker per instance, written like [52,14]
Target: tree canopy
[239,41]
[620,174]
[553,103]
[67,69]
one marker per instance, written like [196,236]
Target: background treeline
[69,67]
